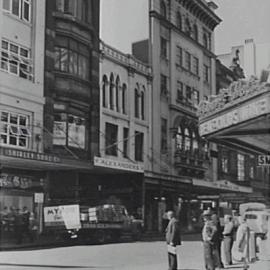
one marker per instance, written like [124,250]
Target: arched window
[194,142]
[195,32]
[124,90]
[187,27]
[117,84]
[179,139]
[179,20]
[111,102]
[205,40]
[187,140]
[104,94]
[163,10]
[136,102]
[142,103]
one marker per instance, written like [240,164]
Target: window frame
[111,148]
[21,9]
[139,146]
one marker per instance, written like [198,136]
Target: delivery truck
[95,224]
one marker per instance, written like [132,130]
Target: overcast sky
[126,21]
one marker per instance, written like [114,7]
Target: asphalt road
[120,256]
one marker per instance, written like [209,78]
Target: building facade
[180,50]
[71,90]
[125,127]
[21,107]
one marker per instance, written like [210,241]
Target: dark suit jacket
[173,234]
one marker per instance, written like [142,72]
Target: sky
[126,21]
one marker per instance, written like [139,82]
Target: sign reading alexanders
[117,164]
[240,114]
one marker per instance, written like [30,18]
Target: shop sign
[263,160]
[29,155]
[53,216]
[222,184]
[236,116]
[116,164]
[15,181]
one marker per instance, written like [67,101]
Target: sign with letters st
[263,160]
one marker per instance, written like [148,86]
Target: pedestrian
[173,239]
[208,232]
[228,239]
[242,238]
[26,224]
[217,240]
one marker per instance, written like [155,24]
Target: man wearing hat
[173,239]
[208,232]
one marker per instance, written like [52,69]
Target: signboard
[29,155]
[263,160]
[222,184]
[39,197]
[117,164]
[68,215]
[236,116]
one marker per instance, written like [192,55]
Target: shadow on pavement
[53,266]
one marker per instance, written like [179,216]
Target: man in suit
[173,239]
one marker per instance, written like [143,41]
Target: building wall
[23,94]
[134,75]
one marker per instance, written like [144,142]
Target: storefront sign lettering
[29,155]
[236,116]
[115,164]
[264,160]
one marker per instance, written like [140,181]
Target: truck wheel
[101,236]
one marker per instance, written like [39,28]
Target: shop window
[240,167]
[179,56]
[18,8]
[179,139]
[16,60]
[125,142]
[79,9]
[139,141]
[187,140]
[111,139]
[188,61]
[14,129]
[72,57]
[164,142]
[69,130]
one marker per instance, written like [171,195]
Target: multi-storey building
[125,128]
[22,160]
[180,51]
[71,90]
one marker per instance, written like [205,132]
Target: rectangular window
[163,85]
[163,48]
[196,97]
[14,129]
[19,8]
[179,56]
[188,61]
[125,142]
[224,164]
[111,139]
[188,93]
[139,146]
[16,60]
[180,90]
[69,130]
[206,73]
[195,68]
[240,167]
[164,142]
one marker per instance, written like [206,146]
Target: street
[120,256]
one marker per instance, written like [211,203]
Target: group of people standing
[213,235]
